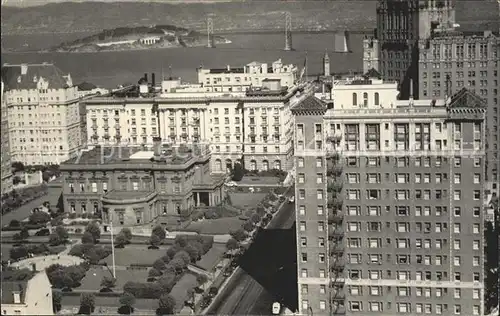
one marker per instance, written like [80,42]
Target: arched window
[265,165]
[377,100]
[253,165]
[354,99]
[218,165]
[72,207]
[365,99]
[277,164]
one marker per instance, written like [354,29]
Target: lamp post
[112,249]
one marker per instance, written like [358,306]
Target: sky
[26,3]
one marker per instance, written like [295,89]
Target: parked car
[231,184]
[291,199]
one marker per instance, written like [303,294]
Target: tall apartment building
[450,61]
[6,164]
[388,203]
[251,75]
[252,126]
[45,118]
[400,26]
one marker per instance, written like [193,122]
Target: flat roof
[136,155]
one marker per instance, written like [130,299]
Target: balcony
[106,136]
[94,126]
[172,135]
[337,294]
[252,134]
[335,202]
[335,233]
[337,264]
[184,135]
[335,186]
[334,170]
[95,136]
[334,138]
[335,217]
[333,156]
[338,309]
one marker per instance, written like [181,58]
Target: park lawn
[209,260]
[138,255]
[179,291]
[92,280]
[219,226]
[246,200]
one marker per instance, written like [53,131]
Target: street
[243,295]
[25,210]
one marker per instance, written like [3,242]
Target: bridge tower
[288,31]
[210,33]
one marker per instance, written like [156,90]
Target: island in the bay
[140,37]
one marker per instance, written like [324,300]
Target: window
[300,162]
[322,305]
[403,307]
[303,226]
[319,194]
[355,306]
[477,195]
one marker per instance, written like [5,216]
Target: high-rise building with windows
[451,61]
[389,196]
[44,114]
[6,164]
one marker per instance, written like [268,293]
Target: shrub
[15,223]
[248,226]
[238,172]
[159,264]
[39,218]
[255,218]
[160,232]
[239,235]
[166,305]
[143,290]
[88,238]
[153,273]
[93,228]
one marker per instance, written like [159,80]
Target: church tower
[326,65]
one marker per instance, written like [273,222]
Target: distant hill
[306,15]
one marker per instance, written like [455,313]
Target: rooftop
[86,86]
[26,76]
[15,281]
[166,155]
[310,103]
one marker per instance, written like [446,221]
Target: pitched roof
[372,73]
[15,281]
[86,86]
[310,103]
[25,76]
[466,99]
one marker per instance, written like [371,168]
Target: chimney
[153,79]
[17,297]
[228,68]
[146,77]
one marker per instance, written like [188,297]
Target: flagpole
[306,66]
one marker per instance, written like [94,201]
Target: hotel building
[253,126]
[451,61]
[6,163]
[44,114]
[251,75]
[389,200]
[130,186]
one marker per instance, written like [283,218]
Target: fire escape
[335,226]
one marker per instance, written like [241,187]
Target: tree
[153,273]
[171,252]
[159,264]
[238,234]
[120,240]
[127,233]
[154,241]
[166,305]
[160,232]
[178,264]
[181,241]
[56,301]
[39,217]
[248,226]
[184,256]
[62,233]
[55,240]
[201,279]
[24,233]
[94,229]
[87,303]
[108,282]
[238,172]
[232,244]
[255,218]
[193,252]
[88,238]
[127,300]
